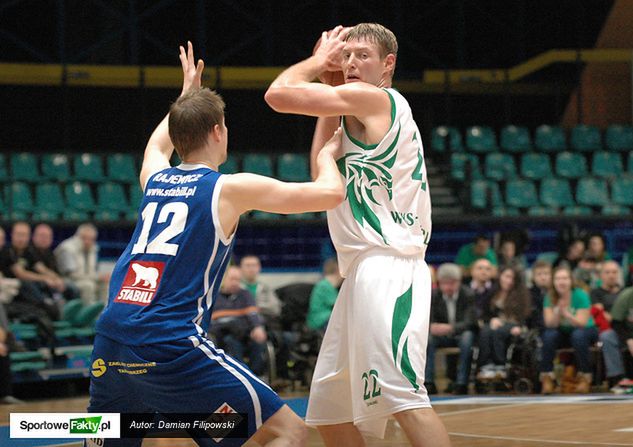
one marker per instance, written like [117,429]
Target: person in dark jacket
[453,323]
[237,326]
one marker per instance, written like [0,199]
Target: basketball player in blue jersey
[372,359]
[151,353]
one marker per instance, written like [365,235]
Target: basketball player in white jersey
[371,363]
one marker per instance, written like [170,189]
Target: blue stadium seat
[446,138]
[592,192]
[619,138]
[499,166]
[535,166]
[481,139]
[571,165]
[606,164]
[556,192]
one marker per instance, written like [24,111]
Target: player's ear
[216,133]
[390,63]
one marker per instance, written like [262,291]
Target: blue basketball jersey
[164,284]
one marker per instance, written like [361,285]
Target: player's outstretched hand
[329,48]
[334,146]
[192,73]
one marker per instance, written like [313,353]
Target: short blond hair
[377,34]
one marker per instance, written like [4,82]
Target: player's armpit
[314,99]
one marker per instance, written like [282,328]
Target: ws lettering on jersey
[164,284]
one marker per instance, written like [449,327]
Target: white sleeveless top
[387,203]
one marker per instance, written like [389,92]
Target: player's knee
[297,434]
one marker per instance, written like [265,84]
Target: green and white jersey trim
[387,196]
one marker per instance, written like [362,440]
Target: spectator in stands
[479,249]
[572,254]
[481,283]
[541,282]
[77,261]
[504,317]
[237,327]
[46,264]
[596,247]
[622,322]
[587,273]
[323,296]
[18,260]
[509,257]
[267,302]
[602,301]
[568,321]
[453,323]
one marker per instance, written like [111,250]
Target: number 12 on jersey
[160,244]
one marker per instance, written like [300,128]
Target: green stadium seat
[556,192]
[49,198]
[258,164]
[606,164]
[107,216]
[3,208]
[542,211]
[88,167]
[577,211]
[55,167]
[3,169]
[498,166]
[121,168]
[111,197]
[293,168]
[136,196]
[445,138]
[173,161]
[515,139]
[521,193]
[619,138]
[592,192]
[87,315]
[230,166]
[622,191]
[502,211]
[481,139]
[586,138]
[465,166]
[629,163]
[484,194]
[69,313]
[73,215]
[550,138]
[24,167]
[79,197]
[535,166]
[615,210]
[571,165]
[19,197]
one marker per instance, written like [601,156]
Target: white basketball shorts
[371,363]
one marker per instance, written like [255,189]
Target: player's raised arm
[294,91]
[159,147]
[244,192]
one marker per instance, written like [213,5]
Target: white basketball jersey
[387,203]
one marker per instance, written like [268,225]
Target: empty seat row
[536,165]
[75,201]
[25,166]
[582,138]
[289,167]
[89,167]
[555,193]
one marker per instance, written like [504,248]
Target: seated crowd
[486,306]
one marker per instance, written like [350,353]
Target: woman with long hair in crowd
[568,322]
[504,316]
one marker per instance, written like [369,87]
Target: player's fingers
[190,54]
[344,32]
[336,31]
[183,58]
[199,68]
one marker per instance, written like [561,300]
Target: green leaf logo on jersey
[363,173]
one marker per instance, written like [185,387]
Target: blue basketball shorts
[179,377]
